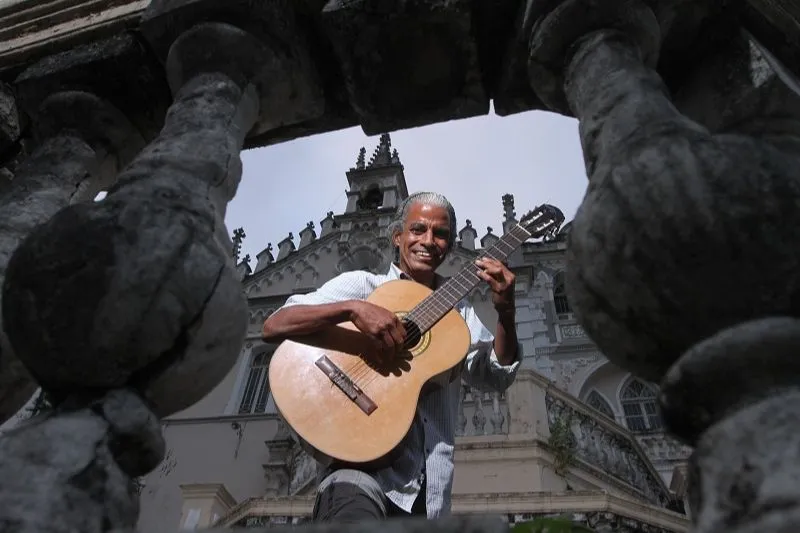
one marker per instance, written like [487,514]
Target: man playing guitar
[419,480]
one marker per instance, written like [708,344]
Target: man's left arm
[494,359]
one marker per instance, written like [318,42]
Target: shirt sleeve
[345,286]
[482,369]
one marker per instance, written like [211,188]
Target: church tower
[379,185]
[376,190]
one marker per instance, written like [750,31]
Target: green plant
[562,444]
[550,525]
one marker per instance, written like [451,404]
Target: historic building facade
[574,434]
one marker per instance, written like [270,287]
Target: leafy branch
[562,443]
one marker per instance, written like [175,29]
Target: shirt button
[425,420]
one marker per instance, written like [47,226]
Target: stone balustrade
[682,259]
[482,413]
[606,446]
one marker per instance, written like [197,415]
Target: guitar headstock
[545,220]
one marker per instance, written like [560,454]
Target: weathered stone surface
[62,472]
[9,120]
[687,30]
[701,205]
[77,136]
[556,34]
[776,23]
[118,69]
[161,305]
[407,63]
[759,359]
[740,88]
[745,469]
[287,81]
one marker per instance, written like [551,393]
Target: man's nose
[427,238]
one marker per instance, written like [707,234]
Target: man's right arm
[301,319]
[339,300]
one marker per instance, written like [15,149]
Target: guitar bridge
[346,385]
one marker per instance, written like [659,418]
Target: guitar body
[343,410]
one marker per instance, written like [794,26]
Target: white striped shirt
[427,451]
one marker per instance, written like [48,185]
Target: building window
[638,400]
[560,295]
[597,402]
[256,397]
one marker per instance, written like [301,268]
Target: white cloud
[535,156]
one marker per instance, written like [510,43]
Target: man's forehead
[427,213]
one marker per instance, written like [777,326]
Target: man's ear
[396,238]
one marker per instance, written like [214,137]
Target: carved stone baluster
[478,417]
[710,310]
[462,417]
[157,242]
[497,419]
[82,140]
[161,308]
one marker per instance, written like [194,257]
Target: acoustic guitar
[343,406]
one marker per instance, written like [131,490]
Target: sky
[535,156]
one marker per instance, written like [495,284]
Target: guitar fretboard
[430,310]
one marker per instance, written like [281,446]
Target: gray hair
[428,198]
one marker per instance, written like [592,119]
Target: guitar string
[432,308]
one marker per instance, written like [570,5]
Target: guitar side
[367,425]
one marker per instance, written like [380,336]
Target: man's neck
[428,281]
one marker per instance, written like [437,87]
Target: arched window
[638,400]
[256,397]
[560,295]
[597,402]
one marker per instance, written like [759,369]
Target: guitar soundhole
[413,335]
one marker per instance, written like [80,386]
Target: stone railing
[606,446]
[663,448]
[482,413]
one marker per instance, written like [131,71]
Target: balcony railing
[608,447]
[482,413]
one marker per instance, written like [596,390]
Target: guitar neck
[430,310]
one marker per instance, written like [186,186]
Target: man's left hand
[500,280]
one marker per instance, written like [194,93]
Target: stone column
[683,258]
[129,309]
[82,140]
[161,307]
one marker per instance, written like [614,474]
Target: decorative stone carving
[569,367]
[472,409]
[571,331]
[609,451]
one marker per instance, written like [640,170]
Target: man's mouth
[423,255]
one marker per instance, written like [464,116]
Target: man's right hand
[381,325]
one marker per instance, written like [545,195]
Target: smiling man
[420,480]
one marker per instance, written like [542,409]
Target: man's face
[423,241]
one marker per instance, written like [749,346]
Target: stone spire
[467,235]
[361,159]
[509,215]
[264,258]
[238,237]
[383,155]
